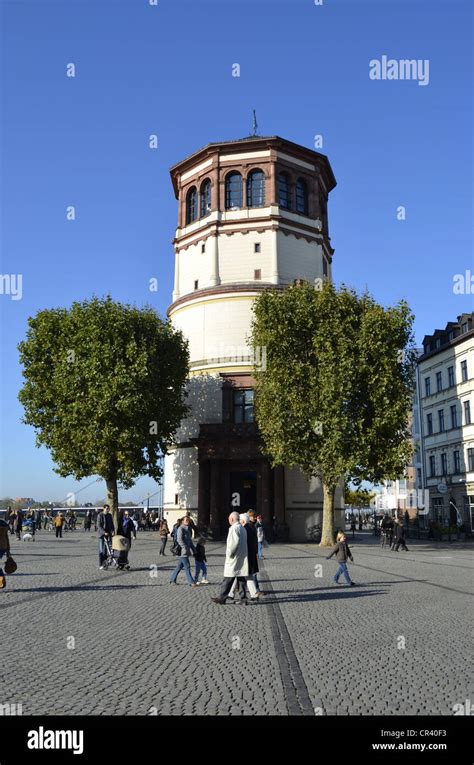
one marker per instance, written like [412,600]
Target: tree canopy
[104,389]
[336,391]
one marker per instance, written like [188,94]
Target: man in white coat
[236,561]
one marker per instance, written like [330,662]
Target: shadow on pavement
[335,594]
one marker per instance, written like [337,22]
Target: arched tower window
[256,189]
[205,199]
[301,196]
[324,212]
[284,191]
[191,205]
[233,191]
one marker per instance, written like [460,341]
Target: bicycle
[314,533]
[386,536]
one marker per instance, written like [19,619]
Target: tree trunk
[112,499]
[327,537]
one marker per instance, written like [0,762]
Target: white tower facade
[252,216]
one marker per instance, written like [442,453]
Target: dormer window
[205,199]
[191,205]
[233,191]
[256,189]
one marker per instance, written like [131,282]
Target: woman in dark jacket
[125,529]
[252,547]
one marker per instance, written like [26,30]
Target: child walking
[342,552]
[200,559]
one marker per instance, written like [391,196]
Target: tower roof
[257,142]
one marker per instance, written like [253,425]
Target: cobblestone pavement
[111,642]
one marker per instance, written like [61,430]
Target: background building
[252,215]
[445,387]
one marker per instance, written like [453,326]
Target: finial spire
[254,122]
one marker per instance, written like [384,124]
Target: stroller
[117,553]
[29,527]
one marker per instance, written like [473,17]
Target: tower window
[284,191]
[191,205]
[176,499]
[243,405]
[301,196]
[203,248]
[257,274]
[325,267]
[256,189]
[196,284]
[205,199]
[324,212]
[233,191]
[257,247]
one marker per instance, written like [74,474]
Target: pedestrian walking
[105,531]
[260,536]
[59,522]
[125,529]
[4,549]
[399,537]
[252,547]
[18,523]
[88,520]
[353,527]
[10,519]
[236,561]
[164,531]
[192,526]
[200,560]
[342,552]
[174,530]
[184,541]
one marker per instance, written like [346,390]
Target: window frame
[467,412]
[243,406]
[429,423]
[206,186]
[233,174]
[432,465]
[283,176]
[193,190]
[305,210]
[250,191]
[457,461]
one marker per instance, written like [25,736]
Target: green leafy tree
[358,497]
[104,389]
[335,394]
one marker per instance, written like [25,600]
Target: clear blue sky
[167,70]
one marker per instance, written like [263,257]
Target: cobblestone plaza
[111,642]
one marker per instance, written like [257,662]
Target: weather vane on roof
[254,122]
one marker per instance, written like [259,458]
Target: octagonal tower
[252,215]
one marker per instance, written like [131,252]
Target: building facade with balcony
[252,215]
[445,397]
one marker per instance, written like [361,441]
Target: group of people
[241,560]
[33,520]
[105,532]
[393,532]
